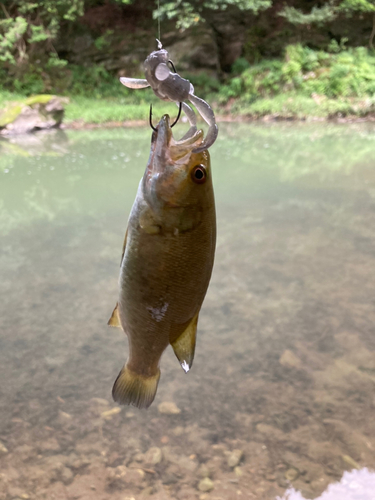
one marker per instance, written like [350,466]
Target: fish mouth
[163,139]
[169,150]
[167,165]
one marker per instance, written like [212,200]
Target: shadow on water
[282,389]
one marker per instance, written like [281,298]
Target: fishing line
[159,21]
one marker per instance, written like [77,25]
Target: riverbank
[304,85]
[92,112]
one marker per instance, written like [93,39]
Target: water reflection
[282,388]
[355,485]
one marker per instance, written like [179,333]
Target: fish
[166,264]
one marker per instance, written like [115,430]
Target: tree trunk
[229,29]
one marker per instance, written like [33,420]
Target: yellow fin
[184,345]
[133,389]
[114,320]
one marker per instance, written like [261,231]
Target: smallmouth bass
[167,262]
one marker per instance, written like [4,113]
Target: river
[281,393]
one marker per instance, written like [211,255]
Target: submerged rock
[3,448]
[205,484]
[168,408]
[234,458]
[153,456]
[38,112]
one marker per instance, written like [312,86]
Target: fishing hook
[173,124]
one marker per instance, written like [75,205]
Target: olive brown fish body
[167,262]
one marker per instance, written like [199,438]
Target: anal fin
[184,345]
[114,320]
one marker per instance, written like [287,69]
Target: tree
[28,29]
[228,20]
[331,11]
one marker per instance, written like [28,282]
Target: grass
[293,105]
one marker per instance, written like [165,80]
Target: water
[284,368]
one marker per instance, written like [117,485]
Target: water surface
[284,368]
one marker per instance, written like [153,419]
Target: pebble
[153,456]
[205,484]
[64,417]
[148,491]
[234,458]
[49,445]
[289,359]
[107,415]
[3,448]
[291,474]
[204,471]
[178,431]
[100,401]
[168,408]
[238,471]
[66,475]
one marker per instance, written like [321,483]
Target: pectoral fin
[114,320]
[184,345]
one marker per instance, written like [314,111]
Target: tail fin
[133,389]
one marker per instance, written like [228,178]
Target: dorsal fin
[114,320]
[184,345]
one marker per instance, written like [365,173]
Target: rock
[238,471]
[178,431]
[205,484]
[66,475]
[64,417]
[49,445]
[291,474]
[168,408]
[109,414]
[186,463]
[289,359]
[204,471]
[153,456]
[234,458]
[148,491]
[34,113]
[99,401]
[3,448]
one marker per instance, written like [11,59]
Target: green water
[284,368]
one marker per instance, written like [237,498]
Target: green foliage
[204,84]
[317,15]
[239,66]
[352,6]
[89,110]
[346,74]
[27,32]
[96,81]
[328,12]
[11,33]
[190,12]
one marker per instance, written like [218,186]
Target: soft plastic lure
[170,86]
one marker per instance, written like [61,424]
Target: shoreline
[272,118]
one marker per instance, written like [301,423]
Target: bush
[347,73]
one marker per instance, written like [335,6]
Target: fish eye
[199,174]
